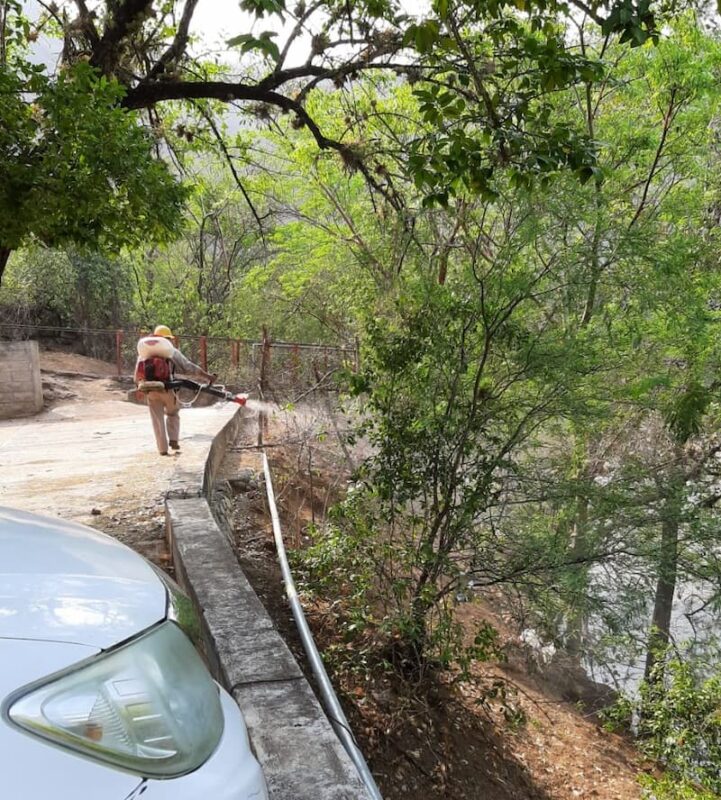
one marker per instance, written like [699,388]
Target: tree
[680,729]
[67,288]
[76,163]
[192,283]
[650,214]
[457,378]
[607,285]
[74,167]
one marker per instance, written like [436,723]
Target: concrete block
[240,632]
[190,478]
[211,568]
[21,391]
[218,449]
[301,756]
[255,656]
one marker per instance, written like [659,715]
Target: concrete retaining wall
[196,479]
[300,754]
[21,389]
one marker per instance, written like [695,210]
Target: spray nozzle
[240,399]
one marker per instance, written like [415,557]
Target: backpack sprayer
[154,373]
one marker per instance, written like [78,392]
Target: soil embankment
[449,743]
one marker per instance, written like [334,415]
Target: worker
[163,404]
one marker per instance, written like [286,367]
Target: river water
[619,660]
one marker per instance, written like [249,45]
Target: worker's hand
[211,378]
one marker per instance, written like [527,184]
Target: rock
[244,481]
[55,390]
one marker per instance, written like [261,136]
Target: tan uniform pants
[164,408]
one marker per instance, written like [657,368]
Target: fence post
[204,353]
[263,382]
[235,352]
[295,364]
[119,351]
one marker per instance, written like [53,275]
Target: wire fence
[278,370]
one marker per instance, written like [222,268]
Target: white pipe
[330,700]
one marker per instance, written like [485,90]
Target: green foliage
[264,42]
[68,288]
[197,282]
[685,416]
[454,379]
[669,788]
[680,728]
[634,21]
[373,607]
[533,279]
[588,308]
[75,168]
[485,75]
[262,7]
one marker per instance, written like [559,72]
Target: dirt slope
[449,744]
[74,365]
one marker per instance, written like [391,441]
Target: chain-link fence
[275,370]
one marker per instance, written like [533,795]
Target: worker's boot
[174,445]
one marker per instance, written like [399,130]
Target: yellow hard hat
[163,330]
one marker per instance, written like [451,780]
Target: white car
[102,693]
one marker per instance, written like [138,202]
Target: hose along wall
[330,700]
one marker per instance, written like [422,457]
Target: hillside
[443,741]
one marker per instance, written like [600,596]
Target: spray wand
[186,383]
[208,388]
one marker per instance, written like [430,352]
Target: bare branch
[177,48]
[229,160]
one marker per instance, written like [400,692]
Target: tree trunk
[410,650]
[579,547]
[4,257]
[579,550]
[666,582]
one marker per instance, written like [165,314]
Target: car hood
[64,582]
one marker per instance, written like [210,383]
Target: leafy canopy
[75,167]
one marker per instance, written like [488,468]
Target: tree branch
[145,95]
[125,14]
[297,30]
[224,149]
[667,122]
[177,48]
[89,25]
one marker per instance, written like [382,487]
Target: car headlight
[149,706]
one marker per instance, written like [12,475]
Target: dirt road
[91,457]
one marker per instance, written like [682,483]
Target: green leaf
[264,43]
[262,7]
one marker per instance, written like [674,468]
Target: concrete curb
[300,754]
[196,479]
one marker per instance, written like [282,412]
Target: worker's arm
[187,367]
